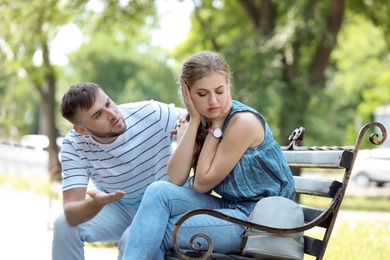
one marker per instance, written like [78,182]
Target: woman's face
[210,95]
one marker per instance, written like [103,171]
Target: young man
[121,149]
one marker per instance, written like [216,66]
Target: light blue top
[261,172]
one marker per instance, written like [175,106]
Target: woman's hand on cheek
[194,114]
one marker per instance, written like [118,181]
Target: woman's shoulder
[237,106]
[243,117]
[247,125]
[239,109]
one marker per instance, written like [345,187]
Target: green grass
[26,183]
[360,203]
[355,238]
[366,203]
[358,240]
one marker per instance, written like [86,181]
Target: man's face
[103,121]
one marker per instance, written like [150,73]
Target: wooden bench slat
[316,186]
[319,159]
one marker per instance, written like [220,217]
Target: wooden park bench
[322,157]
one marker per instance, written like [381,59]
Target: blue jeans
[150,235]
[109,225]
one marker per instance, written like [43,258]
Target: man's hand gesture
[104,198]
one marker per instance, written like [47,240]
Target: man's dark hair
[80,97]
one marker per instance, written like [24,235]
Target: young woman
[230,150]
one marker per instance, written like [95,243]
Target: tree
[127,72]
[28,29]
[361,71]
[280,53]
[271,46]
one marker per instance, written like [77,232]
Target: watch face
[217,132]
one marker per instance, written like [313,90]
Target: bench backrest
[324,157]
[320,187]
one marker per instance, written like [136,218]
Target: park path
[24,226]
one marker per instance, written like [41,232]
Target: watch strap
[216,132]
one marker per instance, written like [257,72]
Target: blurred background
[323,65]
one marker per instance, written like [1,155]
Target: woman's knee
[161,193]
[158,185]
[159,188]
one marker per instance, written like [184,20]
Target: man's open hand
[105,198]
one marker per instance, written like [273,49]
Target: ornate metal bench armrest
[326,212]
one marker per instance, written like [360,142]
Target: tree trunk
[48,121]
[329,40]
[261,15]
[51,129]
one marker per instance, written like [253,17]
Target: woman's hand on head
[185,90]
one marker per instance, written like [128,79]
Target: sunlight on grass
[33,183]
[363,203]
[357,239]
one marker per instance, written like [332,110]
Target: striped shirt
[135,159]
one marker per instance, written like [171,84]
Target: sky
[175,24]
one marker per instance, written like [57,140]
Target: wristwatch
[217,132]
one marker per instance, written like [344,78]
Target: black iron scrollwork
[372,135]
[201,255]
[295,137]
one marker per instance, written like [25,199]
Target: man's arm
[79,208]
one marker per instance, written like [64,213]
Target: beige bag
[278,212]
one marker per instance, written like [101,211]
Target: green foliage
[123,20]
[142,71]
[27,30]
[153,79]
[132,71]
[279,72]
[375,11]
[361,73]
[271,54]
[19,109]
